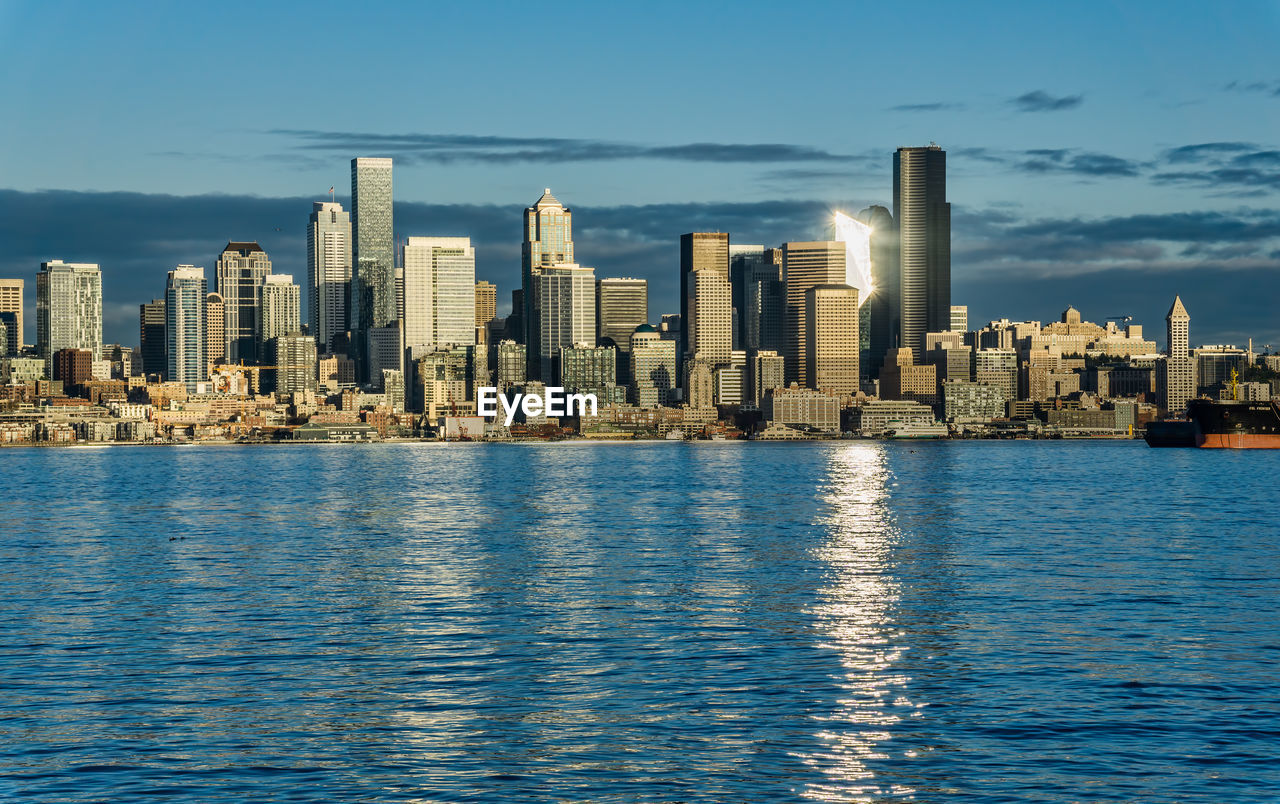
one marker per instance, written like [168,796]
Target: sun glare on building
[856,237]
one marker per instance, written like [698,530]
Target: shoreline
[442,442]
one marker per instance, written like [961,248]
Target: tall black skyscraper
[923,218]
[885,302]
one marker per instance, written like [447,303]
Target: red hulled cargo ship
[1234,424]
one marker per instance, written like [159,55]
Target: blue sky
[1104,155]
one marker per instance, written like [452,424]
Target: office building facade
[548,242]
[185,338]
[329,255]
[241,270]
[440,292]
[806,265]
[923,219]
[68,309]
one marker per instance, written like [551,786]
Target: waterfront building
[68,309]
[876,416]
[1179,374]
[185,341]
[802,408]
[548,241]
[964,401]
[486,302]
[241,270]
[901,378]
[831,339]
[281,310]
[151,318]
[329,261]
[11,312]
[806,265]
[566,312]
[653,367]
[923,219]
[440,292]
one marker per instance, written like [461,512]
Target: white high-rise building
[328,271]
[185,321]
[68,309]
[1179,380]
[567,295]
[439,291]
[281,306]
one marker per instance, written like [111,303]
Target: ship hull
[1171,434]
[1238,441]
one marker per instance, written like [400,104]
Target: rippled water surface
[1022,622]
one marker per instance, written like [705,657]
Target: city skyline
[1141,174]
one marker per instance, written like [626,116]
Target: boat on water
[1235,424]
[1222,424]
[915,430]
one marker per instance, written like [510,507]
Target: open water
[839,621]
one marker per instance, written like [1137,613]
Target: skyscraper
[831,338]
[486,302]
[281,307]
[1179,368]
[805,265]
[151,326]
[439,291]
[708,330]
[568,313]
[68,309]
[241,270]
[328,271]
[184,304]
[885,302]
[11,302]
[959,318]
[373,300]
[548,241]
[215,330]
[701,251]
[923,217]
[622,304]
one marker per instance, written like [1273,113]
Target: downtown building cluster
[387,337]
